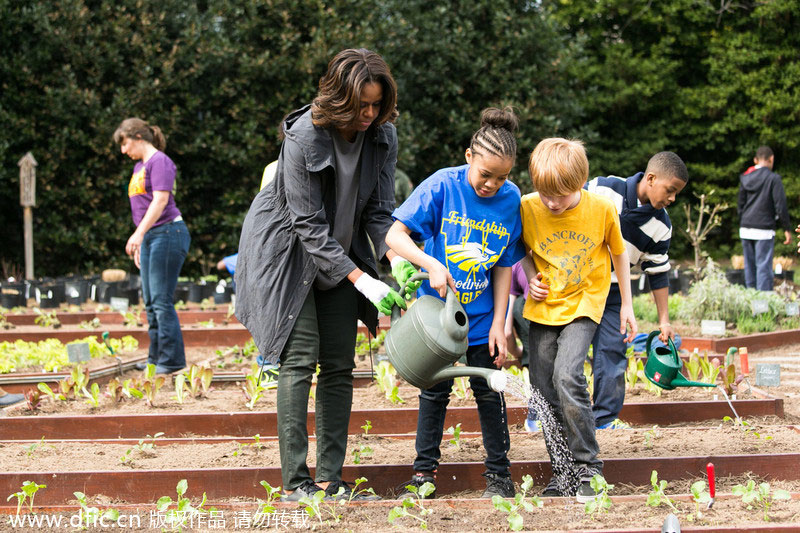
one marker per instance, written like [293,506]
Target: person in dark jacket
[306,271]
[761,202]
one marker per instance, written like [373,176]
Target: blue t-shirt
[469,235]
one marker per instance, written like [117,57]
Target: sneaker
[532,426]
[585,491]
[417,481]
[615,424]
[11,399]
[307,489]
[498,485]
[141,366]
[347,495]
[551,490]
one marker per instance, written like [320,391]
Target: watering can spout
[497,379]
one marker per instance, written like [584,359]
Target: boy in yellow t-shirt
[573,237]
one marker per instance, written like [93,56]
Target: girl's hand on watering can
[402,270]
[627,322]
[497,345]
[666,333]
[440,279]
[538,289]
[380,294]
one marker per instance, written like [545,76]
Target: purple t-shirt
[158,174]
[519,283]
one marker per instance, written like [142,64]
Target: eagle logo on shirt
[136,185]
[470,256]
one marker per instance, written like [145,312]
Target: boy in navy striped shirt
[640,201]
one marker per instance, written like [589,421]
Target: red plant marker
[712,484]
[743,361]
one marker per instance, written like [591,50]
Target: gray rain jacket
[287,233]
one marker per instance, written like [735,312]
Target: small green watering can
[423,344]
[663,366]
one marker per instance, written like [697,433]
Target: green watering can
[663,366]
[423,343]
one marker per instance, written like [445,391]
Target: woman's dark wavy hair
[338,101]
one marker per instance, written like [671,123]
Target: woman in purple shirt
[161,240]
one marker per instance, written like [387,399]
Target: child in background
[569,233]
[517,327]
[468,217]
[641,202]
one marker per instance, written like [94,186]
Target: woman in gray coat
[306,271]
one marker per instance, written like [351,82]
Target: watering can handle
[396,308]
[672,348]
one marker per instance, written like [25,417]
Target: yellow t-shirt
[571,250]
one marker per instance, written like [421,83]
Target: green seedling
[79,379]
[31,448]
[33,399]
[180,388]
[635,366]
[601,503]
[650,435]
[93,395]
[45,388]
[700,496]
[746,428]
[693,367]
[461,388]
[761,496]
[180,305]
[362,451]
[417,501]
[317,506]
[177,517]
[126,456]
[207,304]
[114,390]
[91,324]
[148,447]
[652,388]
[355,492]
[729,378]
[366,427]
[151,384]
[229,314]
[26,493]
[91,515]
[46,319]
[709,369]
[456,432]
[206,323]
[273,495]
[657,496]
[130,388]
[512,508]
[66,388]
[199,380]
[253,389]
[386,377]
[130,319]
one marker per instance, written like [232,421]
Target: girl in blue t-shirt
[468,218]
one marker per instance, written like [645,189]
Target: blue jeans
[491,412]
[609,362]
[557,357]
[163,251]
[324,333]
[758,264]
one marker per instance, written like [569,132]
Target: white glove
[380,294]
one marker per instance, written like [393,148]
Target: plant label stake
[768,375]
[27,199]
[119,304]
[78,352]
[712,484]
[744,362]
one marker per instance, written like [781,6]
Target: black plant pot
[787,275]
[181,292]
[200,291]
[735,276]
[76,291]
[12,295]
[678,282]
[222,296]
[50,295]
[105,290]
